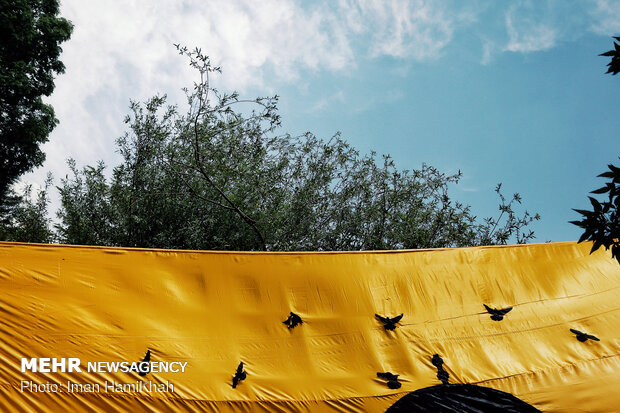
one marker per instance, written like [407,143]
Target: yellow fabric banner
[200,314]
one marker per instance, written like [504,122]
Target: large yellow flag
[104,329]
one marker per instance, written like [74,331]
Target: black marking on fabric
[583,337]
[392,379]
[389,323]
[497,314]
[460,398]
[293,320]
[388,376]
[394,384]
[442,375]
[239,376]
[146,359]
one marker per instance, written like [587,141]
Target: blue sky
[510,92]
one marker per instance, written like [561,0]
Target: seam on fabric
[100,247]
[563,366]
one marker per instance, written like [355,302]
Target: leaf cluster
[602,224]
[25,216]
[614,64]
[498,230]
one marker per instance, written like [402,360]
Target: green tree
[85,200]
[31,32]
[27,220]
[218,177]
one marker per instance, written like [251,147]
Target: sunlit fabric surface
[216,309]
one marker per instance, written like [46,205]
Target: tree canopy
[31,33]
[27,218]
[218,176]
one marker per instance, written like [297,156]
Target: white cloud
[325,102]
[540,25]
[527,30]
[606,17]
[488,50]
[406,29]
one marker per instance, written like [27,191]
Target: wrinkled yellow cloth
[214,310]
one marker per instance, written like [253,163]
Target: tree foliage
[218,176]
[602,224]
[26,218]
[614,64]
[31,33]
